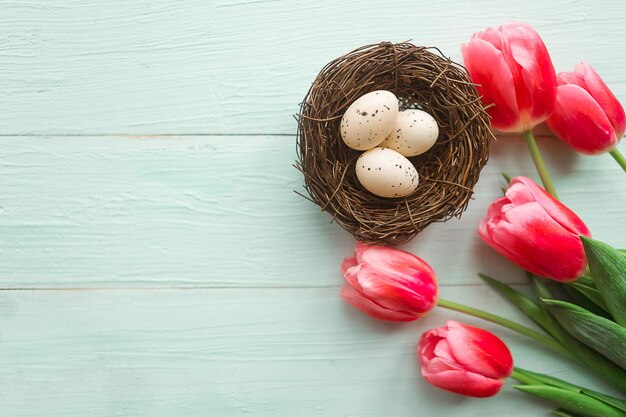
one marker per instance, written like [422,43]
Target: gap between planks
[208,135]
[220,288]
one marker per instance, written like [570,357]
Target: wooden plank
[160,66]
[286,352]
[220,211]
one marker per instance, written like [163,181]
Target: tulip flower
[393,285]
[536,231]
[388,283]
[587,115]
[513,70]
[465,360]
[515,76]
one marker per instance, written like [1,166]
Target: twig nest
[422,79]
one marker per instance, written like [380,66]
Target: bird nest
[421,78]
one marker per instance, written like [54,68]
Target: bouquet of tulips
[578,304]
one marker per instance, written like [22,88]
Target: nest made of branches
[421,78]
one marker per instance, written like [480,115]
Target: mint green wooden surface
[154,260]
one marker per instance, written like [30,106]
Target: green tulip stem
[539,164]
[617,155]
[511,325]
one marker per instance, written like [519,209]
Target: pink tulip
[536,231]
[513,70]
[587,115]
[465,360]
[388,283]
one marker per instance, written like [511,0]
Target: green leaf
[579,352]
[574,402]
[582,353]
[600,334]
[588,298]
[615,402]
[559,412]
[586,280]
[591,293]
[608,270]
[540,288]
[525,304]
[534,378]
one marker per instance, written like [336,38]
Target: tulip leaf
[586,280]
[534,378]
[559,412]
[600,334]
[539,287]
[615,402]
[588,298]
[608,270]
[591,293]
[574,402]
[525,304]
[579,352]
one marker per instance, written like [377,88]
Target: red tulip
[388,283]
[587,115]
[536,231]
[465,360]
[513,70]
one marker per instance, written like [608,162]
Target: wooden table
[154,259]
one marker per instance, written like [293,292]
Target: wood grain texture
[225,353]
[221,211]
[178,274]
[220,66]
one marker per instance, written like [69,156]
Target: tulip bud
[465,360]
[587,116]
[388,283]
[536,231]
[513,70]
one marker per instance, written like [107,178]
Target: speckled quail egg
[414,133]
[369,120]
[386,173]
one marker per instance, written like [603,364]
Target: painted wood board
[224,66]
[221,211]
[231,352]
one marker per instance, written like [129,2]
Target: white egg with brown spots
[369,120]
[415,132]
[386,173]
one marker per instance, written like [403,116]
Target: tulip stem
[511,325]
[617,155]
[539,164]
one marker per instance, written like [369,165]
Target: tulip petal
[464,383]
[347,264]
[428,342]
[406,269]
[392,294]
[478,350]
[488,68]
[579,121]
[604,97]
[442,350]
[536,79]
[351,275]
[564,78]
[539,244]
[438,365]
[524,190]
[352,297]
